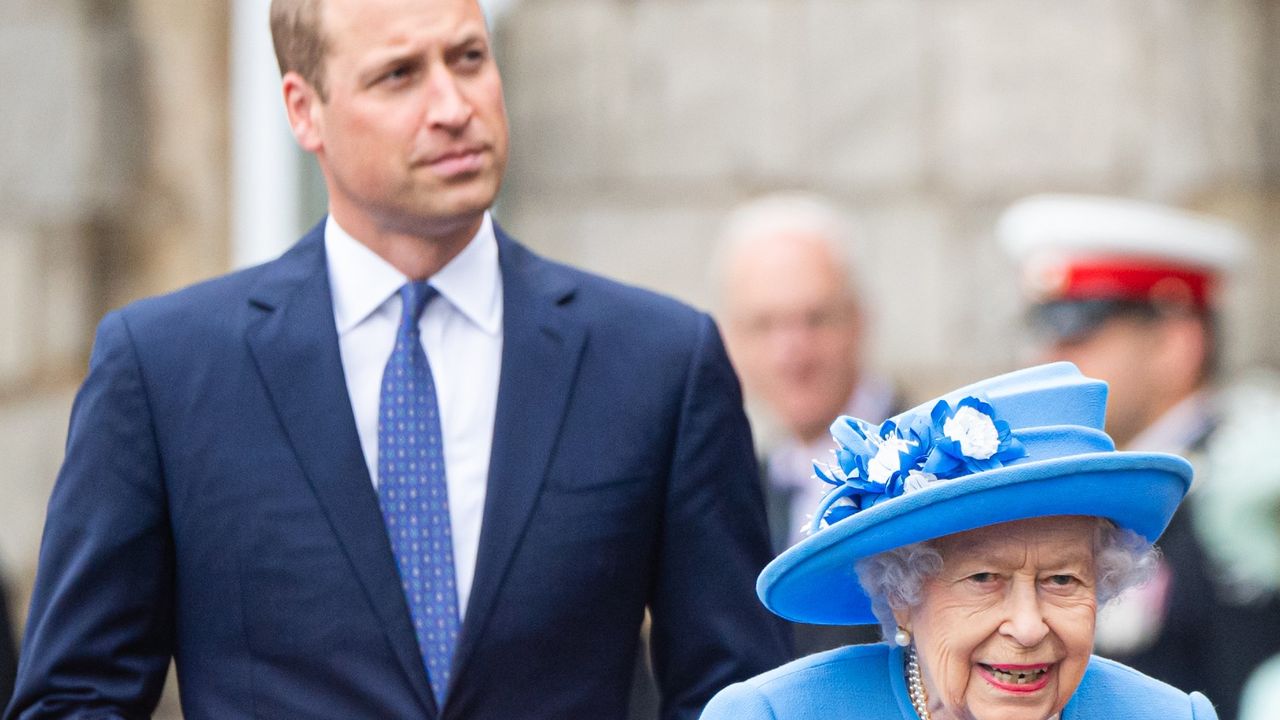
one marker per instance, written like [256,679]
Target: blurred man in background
[794,326]
[1128,292]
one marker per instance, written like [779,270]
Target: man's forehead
[786,254]
[379,17]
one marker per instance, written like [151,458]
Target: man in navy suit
[222,500]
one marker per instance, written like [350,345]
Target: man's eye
[472,58]
[396,74]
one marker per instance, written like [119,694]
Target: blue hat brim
[814,581]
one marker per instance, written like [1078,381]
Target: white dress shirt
[462,336]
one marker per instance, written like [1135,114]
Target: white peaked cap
[1094,225]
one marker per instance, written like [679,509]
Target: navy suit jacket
[214,505]
[8,657]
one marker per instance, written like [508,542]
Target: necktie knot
[414,296]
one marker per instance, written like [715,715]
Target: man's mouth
[1017,677]
[458,162]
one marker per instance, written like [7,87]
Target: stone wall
[114,183]
[637,124]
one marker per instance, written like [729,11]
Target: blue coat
[865,682]
[214,505]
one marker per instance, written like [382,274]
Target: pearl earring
[903,637]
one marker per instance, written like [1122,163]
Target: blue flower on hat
[969,438]
[870,458]
[874,464]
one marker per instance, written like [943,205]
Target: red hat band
[1121,279]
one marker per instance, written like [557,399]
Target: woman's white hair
[895,578]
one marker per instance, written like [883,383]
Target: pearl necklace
[915,686]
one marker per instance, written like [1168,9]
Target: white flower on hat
[974,431]
[888,459]
[917,480]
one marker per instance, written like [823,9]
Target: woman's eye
[1061,580]
[983,577]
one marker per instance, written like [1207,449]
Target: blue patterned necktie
[413,494]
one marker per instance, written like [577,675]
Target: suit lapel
[540,353]
[295,344]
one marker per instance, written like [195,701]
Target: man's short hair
[765,217]
[299,40]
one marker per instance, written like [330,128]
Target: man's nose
[447,104]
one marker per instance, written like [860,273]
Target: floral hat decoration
[1021,445]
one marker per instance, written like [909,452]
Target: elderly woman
[982,531]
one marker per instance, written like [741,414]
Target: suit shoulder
[1110,689]
[642,299]
[216,302]
[195,297]
[596,290]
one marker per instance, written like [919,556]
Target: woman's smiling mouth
[1016,678]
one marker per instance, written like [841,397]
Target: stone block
[65,322]
[46,130]
[701,97]
[666,248]
[860,111]
[902,270]
[20,271]
[32,433]
[558,60]
[1031,93]
[1204,116]
[701,91]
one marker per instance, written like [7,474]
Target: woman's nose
[1024,622]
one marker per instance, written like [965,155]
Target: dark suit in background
[8,654]
[808,639]
[215,506]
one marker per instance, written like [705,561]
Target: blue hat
[1022,445]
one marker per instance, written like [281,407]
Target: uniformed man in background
[1129,292]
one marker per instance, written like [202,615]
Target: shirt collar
[362,281]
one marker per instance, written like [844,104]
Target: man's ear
[302,102]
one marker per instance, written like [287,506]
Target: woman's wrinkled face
[1005,630]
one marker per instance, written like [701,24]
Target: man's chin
[462,198]
[435,221]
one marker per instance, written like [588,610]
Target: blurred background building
[143,147]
